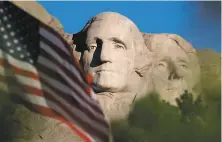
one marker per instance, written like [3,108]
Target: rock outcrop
[18,123]
[39,12]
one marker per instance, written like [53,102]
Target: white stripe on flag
[22,79]
[15,62]
[62,61]
[78,113]
[43,32]
[45,62]
[69,67]
[93,94]
[48,64]
[66,90]
[37,100]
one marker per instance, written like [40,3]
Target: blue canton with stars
[19,33]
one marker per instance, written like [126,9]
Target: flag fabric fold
[37,65]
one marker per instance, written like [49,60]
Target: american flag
[37,66]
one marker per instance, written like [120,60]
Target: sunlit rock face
[113,43]
[114,53]
[175,66]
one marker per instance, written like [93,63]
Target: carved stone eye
[119,46]
[92,46]
[184,66]
[161,65]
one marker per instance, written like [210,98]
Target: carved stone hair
[152,41]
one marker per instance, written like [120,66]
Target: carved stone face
[109,57]
[173,71]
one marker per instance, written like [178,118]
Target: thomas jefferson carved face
[175,70]
[110,53]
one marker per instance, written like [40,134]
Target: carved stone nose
[106,53]
[173,75]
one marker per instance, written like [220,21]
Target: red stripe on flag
[4,63]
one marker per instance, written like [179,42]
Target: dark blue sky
[197,22]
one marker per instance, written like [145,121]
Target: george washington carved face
[110,49]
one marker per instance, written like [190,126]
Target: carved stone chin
[116,106]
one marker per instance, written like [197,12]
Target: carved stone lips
[103,70]
[171,89]
[176,84]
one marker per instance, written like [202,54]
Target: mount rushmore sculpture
[126,64]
